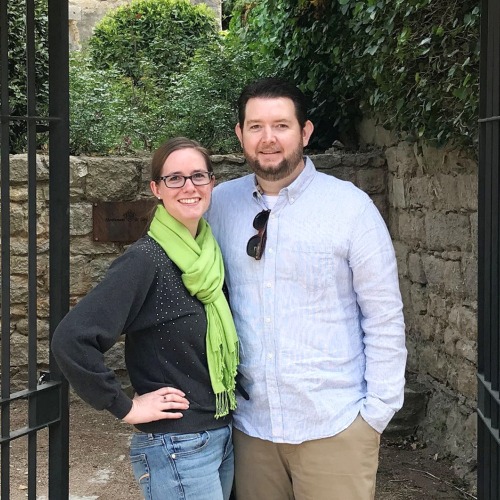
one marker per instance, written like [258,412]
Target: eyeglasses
[178,181]
[257,243]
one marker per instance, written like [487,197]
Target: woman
[181,351]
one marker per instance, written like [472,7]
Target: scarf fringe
[224,402]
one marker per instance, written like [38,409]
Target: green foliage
[423,60]
[151,37]
[109,114]
[17,75]
[415,63]
[200,103]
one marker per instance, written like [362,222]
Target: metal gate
[489,256]
[42,400]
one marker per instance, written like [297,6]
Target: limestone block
[85,246]
[451,337]
[18,194]
[380,201]
[418,193]
[19,351]
[402,252]
[444,193]
[19,289]
[434,363]
[412,228]
[42,328]
[19,219]
[327,162]
[447,231]
[80,219]
[470,275]
[438,306]
[115,357]
[473,218]
[467,349]
[416,269]
[466,379]
[418,299]
[401,159]
[397,195]
[464,320]
[19,168]
[453,278]
[74,12]
[371,181]
[42,222]
[467,191]
[229,168]
[112,179]
[78,171]
[429,328]
[86,273]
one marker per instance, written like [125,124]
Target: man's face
[272,138]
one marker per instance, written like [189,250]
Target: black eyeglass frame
[164,178]
[257,243]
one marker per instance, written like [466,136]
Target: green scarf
[200,261]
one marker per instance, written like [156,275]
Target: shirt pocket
[309,267]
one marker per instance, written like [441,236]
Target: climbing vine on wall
[412,63]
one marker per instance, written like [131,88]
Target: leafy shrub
[17,67]
[201,102]
[151,34]
[108,113]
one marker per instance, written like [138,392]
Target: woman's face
[188,203]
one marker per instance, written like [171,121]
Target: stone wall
[84,14]
[432,207]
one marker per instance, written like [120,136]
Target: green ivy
[412,63]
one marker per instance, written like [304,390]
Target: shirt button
[270,250]
[292,200]
[173,456]
[270,355]
[268,285]
[273,216]
[268,320]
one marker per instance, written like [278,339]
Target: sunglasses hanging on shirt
[257,243]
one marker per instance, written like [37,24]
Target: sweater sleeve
[95,324]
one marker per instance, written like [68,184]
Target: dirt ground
[99,467]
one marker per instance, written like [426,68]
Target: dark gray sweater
[143,297]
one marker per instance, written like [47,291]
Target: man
[313,286]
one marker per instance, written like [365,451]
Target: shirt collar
[297,187]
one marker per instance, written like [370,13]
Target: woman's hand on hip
[157,405]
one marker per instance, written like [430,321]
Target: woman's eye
[174,178]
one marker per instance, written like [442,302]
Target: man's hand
[157,405]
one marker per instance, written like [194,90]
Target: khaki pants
[343,467]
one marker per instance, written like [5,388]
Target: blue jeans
[198,466]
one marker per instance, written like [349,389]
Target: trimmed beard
[276,173]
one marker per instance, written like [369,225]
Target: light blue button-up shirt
[322,335]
